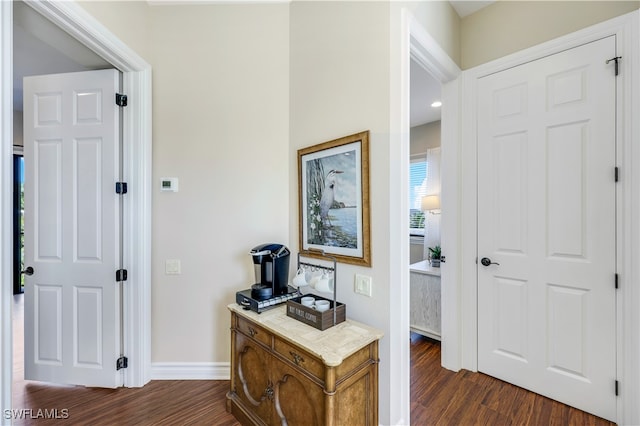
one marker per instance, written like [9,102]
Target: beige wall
[220,125]
[340,86]
[424,137]
[509,26]
[440,20]
[129,20]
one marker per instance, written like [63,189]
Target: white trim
[426,52]
[190,371]
[628,212]
[626,30]
[6,202]
[73,19]
[414,43]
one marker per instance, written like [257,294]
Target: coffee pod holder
[320,320]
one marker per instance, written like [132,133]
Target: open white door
[72,228]
[547,226]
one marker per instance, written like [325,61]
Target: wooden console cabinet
[284,372]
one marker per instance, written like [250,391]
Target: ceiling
[40,47]
[466,8]
[424,91]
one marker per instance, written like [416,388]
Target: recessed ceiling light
[436,104]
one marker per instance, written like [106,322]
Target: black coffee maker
[271,266]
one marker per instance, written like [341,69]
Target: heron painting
[331,196]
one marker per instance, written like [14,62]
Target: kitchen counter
[332,345]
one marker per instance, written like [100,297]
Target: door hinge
[121,275]
[616,59]
[616,280]
[121,100]
[121,187]
[617,385]
[617,173]
[121,363]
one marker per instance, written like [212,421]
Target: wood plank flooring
[438,397]
[442,397]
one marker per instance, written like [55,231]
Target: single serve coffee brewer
[271,268]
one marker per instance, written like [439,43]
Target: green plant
[435,252]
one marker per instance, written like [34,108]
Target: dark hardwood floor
[442,397]
[438,397]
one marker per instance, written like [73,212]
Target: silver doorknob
[486,261]
[28,271]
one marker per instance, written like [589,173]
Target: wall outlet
[363,285]
[172,267]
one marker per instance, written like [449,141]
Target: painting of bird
[328,196]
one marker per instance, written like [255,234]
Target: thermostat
[169,184]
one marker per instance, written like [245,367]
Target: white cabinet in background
[424,301]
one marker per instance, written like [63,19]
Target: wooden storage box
[309,316]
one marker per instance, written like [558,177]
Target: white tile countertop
[332,345]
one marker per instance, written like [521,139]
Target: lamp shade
[430,202]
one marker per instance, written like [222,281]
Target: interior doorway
[425,304]
[74,20]
[39,48]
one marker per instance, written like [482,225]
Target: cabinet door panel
[355,402]
[297,400]
[254,387]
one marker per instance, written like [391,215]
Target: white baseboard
[190,370]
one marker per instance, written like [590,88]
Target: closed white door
[72,228]
[546,219]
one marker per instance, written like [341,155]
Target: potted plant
[434,255]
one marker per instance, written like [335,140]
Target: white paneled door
[547,224]
[72,228]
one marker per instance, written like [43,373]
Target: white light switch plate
[363,285]
[172,266]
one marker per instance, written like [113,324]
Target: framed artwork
[333,184]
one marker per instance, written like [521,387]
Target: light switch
[172,267]
[363,285]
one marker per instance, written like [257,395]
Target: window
[18,223]
[417,189]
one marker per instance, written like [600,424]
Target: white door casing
[137,121]
[547,217]
[72,228]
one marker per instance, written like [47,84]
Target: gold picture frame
[333,194]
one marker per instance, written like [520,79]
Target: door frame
[626,30]
[137,120]
[416,43]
